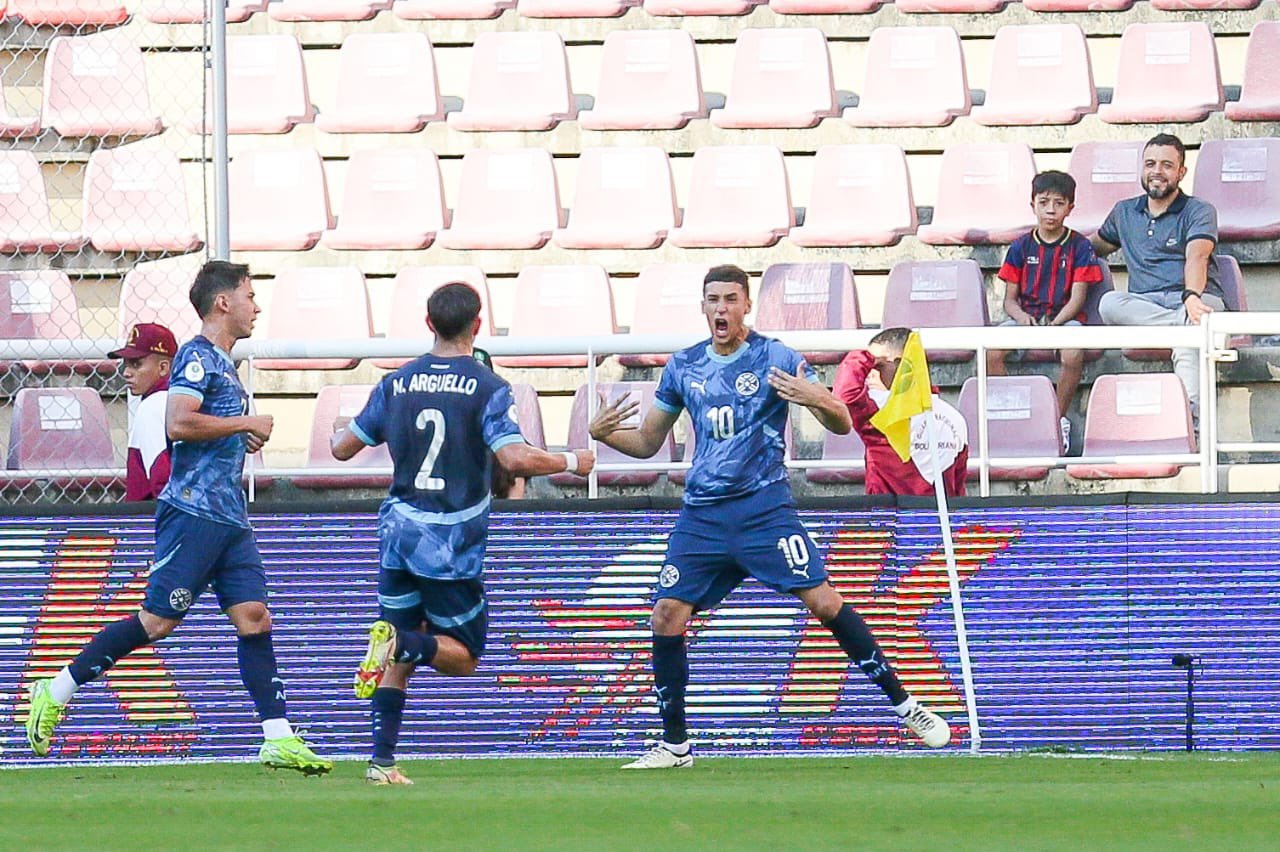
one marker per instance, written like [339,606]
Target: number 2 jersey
[440,417]
[738,419]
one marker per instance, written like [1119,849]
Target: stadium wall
[1074,609]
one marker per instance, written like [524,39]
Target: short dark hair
[893,338]
[1170,141]
[727,272]
[216,276]
[453,308]
[1056,182]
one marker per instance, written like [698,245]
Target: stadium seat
[506,200]
[158,292]
[808,297]
[386,84]
[1203,5]
[643,392]
[193,11]
[668,301]
[1168,73]
[1260,94]
[915,77]
[984,195]
[1078,5]
[846,448]
[955,7]
[60,428]
[96,85]
[136,200]
[649,80]
[392,200]
[412,287]
[24,209]
[700,7]
[738,196]
[1135,414]
[1105,172]
[336,406]
[326,10]
[936,294]
[1241,178]
[16,126]
[824,7]
[1039,75]
[70,13]
[781,78]
[266,86]
[860,196]
[445,10]
[558,300]
[317,303]
[41,305]
[519,81]
[279,200]
[529,413]
[624,199]
[574,8]
[1022,420]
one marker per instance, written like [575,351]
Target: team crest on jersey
[194,372]
[669,576]
[180,599]
[747,383]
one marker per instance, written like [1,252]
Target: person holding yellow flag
[887,389]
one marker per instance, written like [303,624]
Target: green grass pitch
[1024,802]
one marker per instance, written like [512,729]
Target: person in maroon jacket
[862,383]
[148,357]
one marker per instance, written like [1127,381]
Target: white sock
[904,709]
[274,729]
[63,686]
[678,750]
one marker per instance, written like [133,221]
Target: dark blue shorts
[454,608]
[192,554]
[715,547]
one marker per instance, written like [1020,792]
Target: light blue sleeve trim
[185,391]
[670,409]
[506,441]
[360,433]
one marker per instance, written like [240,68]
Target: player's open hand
[257,431]
[797,388]
[611,416]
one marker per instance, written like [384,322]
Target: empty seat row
[66,13]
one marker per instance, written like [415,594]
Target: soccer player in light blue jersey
[444,417]
[739,518]
[203,537]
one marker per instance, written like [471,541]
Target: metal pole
[221,186]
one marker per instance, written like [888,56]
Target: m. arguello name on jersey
[435,383]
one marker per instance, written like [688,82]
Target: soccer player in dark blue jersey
[739,517]
[203,537]
[444,417]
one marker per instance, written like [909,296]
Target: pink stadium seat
[41,305]
[1168,73]
[1260,94]
[700,7]
[578,420]
[506,200]
[861,196]
[624,199]
[781,78]
[317,303]
[60,428]
[429,10]
[193,11]
[847,448]
[70,13]
[136,200]
[393,200]
[1078,5]
[1203,5]
[519,81]
[1241,178]
[153,292]
[824,7]
[413,286]
[326,10]
[962,7]
[649,80]
[15,126]
[529,413]
[386,84]
[984,195]
[574,8]
[1135,414]
[808,297]
[915,78]
[336,406]
[668,301]
[1039,75]
[936,294]
[24,209]
[738,197]
[96,85]
[552,300]
[279,200]
[1022,420]
[1105,172]
[266,86]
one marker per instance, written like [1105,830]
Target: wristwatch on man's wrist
[1188,293]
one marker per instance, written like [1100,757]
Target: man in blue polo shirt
[1168,239]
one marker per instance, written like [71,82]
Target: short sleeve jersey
[1046,272]
[205,475]
[738,419]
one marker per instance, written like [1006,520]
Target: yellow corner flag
[911,394]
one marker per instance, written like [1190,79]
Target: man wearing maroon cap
[148,357]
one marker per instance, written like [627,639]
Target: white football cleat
[382,776]
[661,757]
[931,728]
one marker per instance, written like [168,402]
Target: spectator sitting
[862,383]
[148,357]
[1047,273]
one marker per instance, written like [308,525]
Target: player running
[739,517]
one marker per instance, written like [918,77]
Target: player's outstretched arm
[184,422]
[831,412]
[521,459]
[606,427]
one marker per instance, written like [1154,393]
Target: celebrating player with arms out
[441,416]
[739,517]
